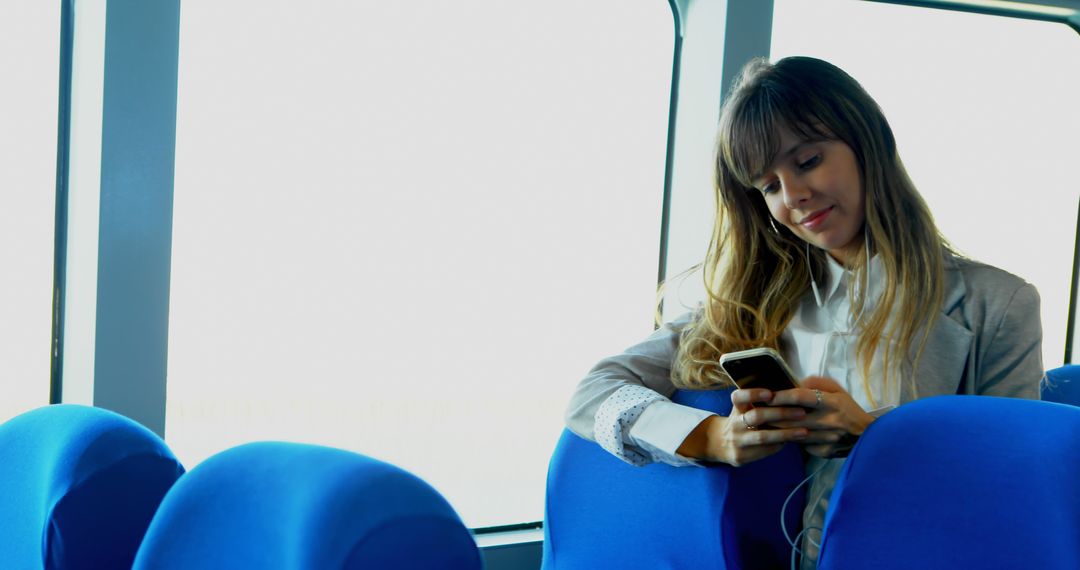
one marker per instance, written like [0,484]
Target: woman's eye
[770,188]
[810,163]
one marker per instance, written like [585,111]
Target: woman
[824,250]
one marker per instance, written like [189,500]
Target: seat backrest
[273,505]
[604,513]
[1062,385]
[960,482]
[78,487]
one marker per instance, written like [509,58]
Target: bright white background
[409,228]
[985,114]
[29,66]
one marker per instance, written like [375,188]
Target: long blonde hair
[757,272]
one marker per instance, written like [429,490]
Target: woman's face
[813,187]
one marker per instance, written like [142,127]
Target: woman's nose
[794,192]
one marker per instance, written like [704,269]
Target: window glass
[29,68]
[409,228]
[985,115]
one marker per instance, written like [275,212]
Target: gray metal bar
[135,232]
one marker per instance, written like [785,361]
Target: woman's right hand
[737,438]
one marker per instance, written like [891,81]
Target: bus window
[409,228]
[29,65]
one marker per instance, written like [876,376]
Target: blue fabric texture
[273,505]
[960,482]
[1062,385]
[78,487]
[604,513]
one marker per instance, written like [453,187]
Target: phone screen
[761,371]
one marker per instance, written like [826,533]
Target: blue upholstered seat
[960,482]
[1062,385]
[604,513]
[78,487]
[283,506]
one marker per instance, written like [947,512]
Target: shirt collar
[838,275]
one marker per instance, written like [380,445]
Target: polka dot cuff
[615,418]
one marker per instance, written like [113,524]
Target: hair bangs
[750,134]
[751,140]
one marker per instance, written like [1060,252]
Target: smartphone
[758,368]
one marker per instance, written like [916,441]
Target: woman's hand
[834,419]
[739,438]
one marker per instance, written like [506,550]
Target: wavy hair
[756,272]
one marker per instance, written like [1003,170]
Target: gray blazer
[988,340]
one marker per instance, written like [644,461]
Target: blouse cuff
[663,427]
[640,426]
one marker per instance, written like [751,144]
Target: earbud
[772,223]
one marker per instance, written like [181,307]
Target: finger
[822,383]
[798,397]
[823,437]
[775,416]
[814,420]
[744,399]
[771,437]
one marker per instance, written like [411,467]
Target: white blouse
[821,339]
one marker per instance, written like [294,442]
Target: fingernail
[801,434]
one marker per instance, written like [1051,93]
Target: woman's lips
[814,220]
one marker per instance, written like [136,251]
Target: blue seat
[960,482]
[78,487]
[1062,385]
[272,505]
[604,513]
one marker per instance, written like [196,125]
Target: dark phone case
[759,372]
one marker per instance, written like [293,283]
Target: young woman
[824,250]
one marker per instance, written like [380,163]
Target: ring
[819,396]
[747,424]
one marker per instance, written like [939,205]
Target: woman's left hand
[834,419]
